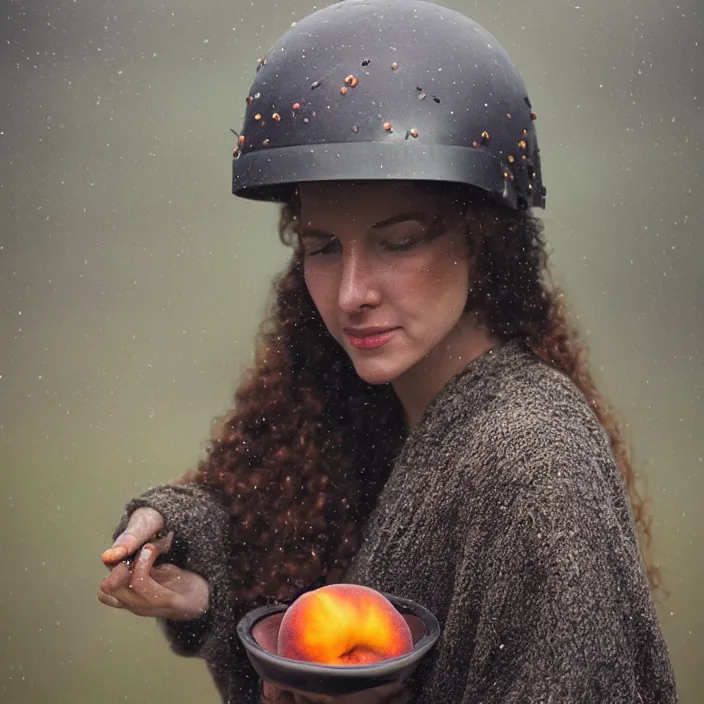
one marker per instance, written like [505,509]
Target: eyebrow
[418,216]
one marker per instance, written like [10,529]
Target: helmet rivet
[343,90]
[475,144]
[508,115]
[525,133]
[265,142]
[257,96]
[258,116]
[394,66]
[355,129]
[351,81]
[249,99]
[511,158]
[315,84]
[296,106]
[533,116]
[413,132]
[235,153]
[276,116]
[241,140]
[522,144]
[388,127]
[506,174]
[485,136]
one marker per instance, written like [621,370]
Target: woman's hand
[144,524]
[384,694]
[164,591]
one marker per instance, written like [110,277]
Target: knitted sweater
[505,515]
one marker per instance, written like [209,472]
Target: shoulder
[535,435]
[522,403]
[537,468]
[541,408]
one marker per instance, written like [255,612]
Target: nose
[358,289]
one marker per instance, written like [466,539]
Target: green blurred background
[131,284]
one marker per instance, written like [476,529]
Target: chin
[378,371]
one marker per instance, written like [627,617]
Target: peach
[343,624]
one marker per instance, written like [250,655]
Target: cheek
[458,281]
[455,268]
[443,288]
[321,287]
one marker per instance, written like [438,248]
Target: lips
[369,338]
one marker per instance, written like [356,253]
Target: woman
[420,417]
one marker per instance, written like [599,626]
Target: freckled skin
[343,624]
[423,292]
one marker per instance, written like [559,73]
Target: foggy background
[132,282]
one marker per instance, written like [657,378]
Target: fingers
[395,693]
[144,523]
[108,600]
[166,574]
[147,599]
[121,574]
[142,566]
[164,591]
[300,698]
[143,592]
[135,590]
[119,577]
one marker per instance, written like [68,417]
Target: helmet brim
[273,174]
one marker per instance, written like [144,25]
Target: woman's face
[389,281]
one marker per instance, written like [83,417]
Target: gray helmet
[388,89]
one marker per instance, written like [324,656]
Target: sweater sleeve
[202,544]
[564,611]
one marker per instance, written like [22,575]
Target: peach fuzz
[343,624]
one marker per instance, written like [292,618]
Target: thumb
[125,544]
[143,524]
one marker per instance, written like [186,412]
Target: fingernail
[145,554]
[115,553]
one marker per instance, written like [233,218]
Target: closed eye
[329,246]
[403,245]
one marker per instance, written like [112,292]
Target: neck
[418,386]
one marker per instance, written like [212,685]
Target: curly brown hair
[308,445]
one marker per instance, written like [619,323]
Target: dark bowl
[259,629]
